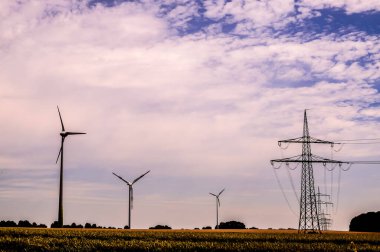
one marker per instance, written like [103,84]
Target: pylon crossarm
[306,140]
[293,159]
[314,159]
[318,159]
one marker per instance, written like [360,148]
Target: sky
[198,92]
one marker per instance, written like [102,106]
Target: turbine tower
[217,207]
[63,134]
[130,185]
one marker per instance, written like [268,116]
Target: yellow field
[23,239]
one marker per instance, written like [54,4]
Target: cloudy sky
[198,92]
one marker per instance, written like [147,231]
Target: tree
[366,222]
[24,223]
[231,225]
[8,224]
[160,227]
[55,224]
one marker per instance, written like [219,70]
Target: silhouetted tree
[87,225]
[160,227]
[73,225]
[24,223]
[253,228]
[126,227]
[366,222]
[55,224]
[231,225]
[21,223]
[207,227]
[8,224]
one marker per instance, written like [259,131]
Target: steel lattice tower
[308,203]
[309,217]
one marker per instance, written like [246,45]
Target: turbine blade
[131,197]
[59,154]
[121,178]
[221,191]
[63,127]
[75,133]
[137,179]
[213,194]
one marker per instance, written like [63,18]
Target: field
[24,239]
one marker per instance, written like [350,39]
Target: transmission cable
[283,193]
[292,183]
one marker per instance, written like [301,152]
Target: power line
[283,192]
[359,139]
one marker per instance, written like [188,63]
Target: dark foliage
[8,224]
[366,222]
[73,225]
[126,227]
[21,223]
[253,228]
[160,227]
[55,225]
[207,227]
[231,225]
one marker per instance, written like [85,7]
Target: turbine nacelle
[217,196]
[64,134]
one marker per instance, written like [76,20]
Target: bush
[366,222]
[231,225]
[126,227]
[207,227]
[160,227]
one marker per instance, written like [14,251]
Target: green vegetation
[24,239]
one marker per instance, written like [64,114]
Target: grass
[24,239]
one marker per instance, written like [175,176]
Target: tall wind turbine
[63,134]
[217,207]
[130,185]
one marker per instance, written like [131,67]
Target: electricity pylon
[309,218]
[324,221]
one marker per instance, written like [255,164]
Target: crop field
[24,239]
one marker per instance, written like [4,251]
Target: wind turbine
[63,134]
[217,207]
[130,185]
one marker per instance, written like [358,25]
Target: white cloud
[350,6]
[258,13]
